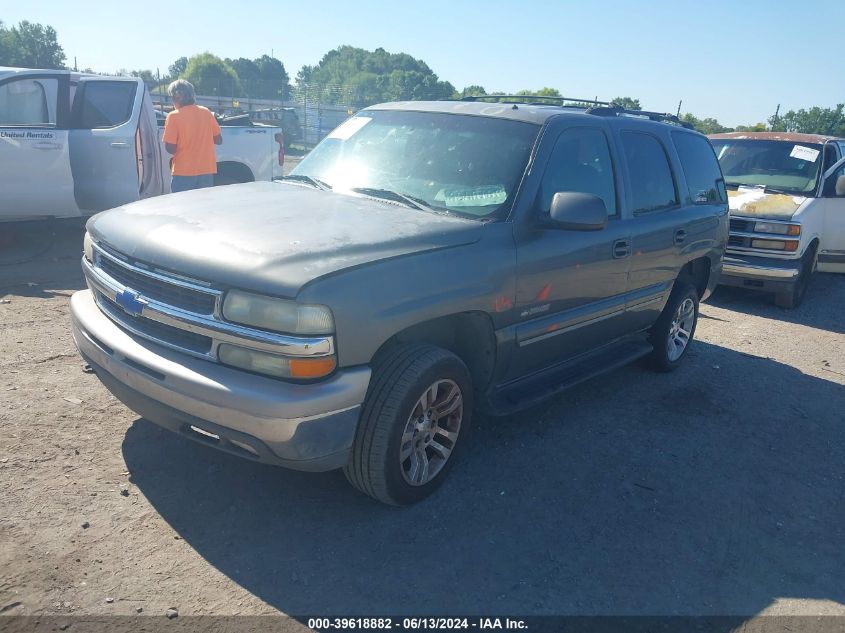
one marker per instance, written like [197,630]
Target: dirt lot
[714,490]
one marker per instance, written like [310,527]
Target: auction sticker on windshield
[804,153]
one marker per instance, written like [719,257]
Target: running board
[538,387]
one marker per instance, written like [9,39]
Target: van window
[701,169]
[103,104]
[580,162]
[652,185]
[24,102]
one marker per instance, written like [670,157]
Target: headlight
[776,245]
[275,365]
[777,228]
[88,247]
[277,315]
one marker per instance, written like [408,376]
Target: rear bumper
[299,426]
[761,273]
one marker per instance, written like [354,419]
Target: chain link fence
[307,115]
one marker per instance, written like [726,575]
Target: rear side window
[701,169]
[103,104]
[24,102]
[652,185]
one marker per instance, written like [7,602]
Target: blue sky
[735,61]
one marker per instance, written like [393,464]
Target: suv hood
[754,202]
[272,237]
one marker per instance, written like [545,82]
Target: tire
[397,418]
[793,297]
[666,335]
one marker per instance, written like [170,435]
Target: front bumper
[300,426]
[761,273]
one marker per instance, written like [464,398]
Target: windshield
[469,165]
[781,165]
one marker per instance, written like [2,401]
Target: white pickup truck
[73,144]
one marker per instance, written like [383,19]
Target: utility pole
[679,108]
[775,118]
[75,69]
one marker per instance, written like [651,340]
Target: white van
[73,144]
[787,202]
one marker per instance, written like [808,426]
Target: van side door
[832,243]
[35,179]
[105,142]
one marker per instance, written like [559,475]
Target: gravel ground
[714,490]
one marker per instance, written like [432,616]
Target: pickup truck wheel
[673,331]
[793,297]
[414,421]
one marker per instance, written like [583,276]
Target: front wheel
[793,297]
[672,333]
[414,421]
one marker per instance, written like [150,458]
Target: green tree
[705,126]
[30,45]
[177,68]
[359,77]
[543,92]
[248,74]
[473,91]
[757,127]
[212,76]
[629,103]
[275,82]
[816,120]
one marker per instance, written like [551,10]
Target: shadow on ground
[705,491]
[33,254]
[817,310]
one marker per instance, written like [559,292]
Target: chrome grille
[180,312]
[738,224]
[159,332]
[153,286]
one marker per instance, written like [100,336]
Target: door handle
[680,236]
[621,249]
[120,144]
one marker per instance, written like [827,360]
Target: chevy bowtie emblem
[130,301]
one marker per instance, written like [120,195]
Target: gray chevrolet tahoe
[427,261]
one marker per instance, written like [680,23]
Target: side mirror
[840,186]
[575,211]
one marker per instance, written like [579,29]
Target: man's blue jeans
[186,183]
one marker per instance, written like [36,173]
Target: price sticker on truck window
[349,127]
[804,153]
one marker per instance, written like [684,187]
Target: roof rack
[663,117]
[539,100]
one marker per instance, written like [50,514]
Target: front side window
[468,165]
[580,162]
[103,104]
[779,166]
[652,185]
[701,169]
[24,102]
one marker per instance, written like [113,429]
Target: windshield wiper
[389,194]
[765,188]
[314,182]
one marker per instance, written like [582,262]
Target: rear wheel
[415,420]
[793,297]
[672,333]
